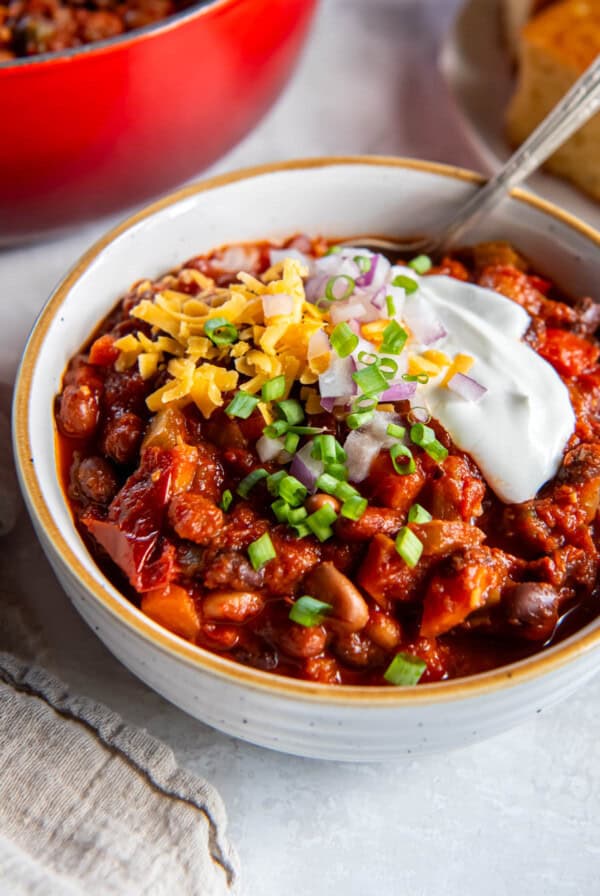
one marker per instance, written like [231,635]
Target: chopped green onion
[276,429]
[332,283]
[405,670]
[281,509]
[388,367]
[305,430]
[273,389]
[394,339]
[421,264]
[355,421]
[407,283]
[409,546]
[364,403]
[391,306]
[422,378]
[436,451]
[327,483]
[343,340]
[292,440]
[344,491]
[301,530]
[261,551]
[320,522]
[421,435]
[334,250]
[364,263]
[339,471]
[220,331]
[370,380]
[409,466]
[418,514]
[397,432]
[328,449]
[291,410]
[309,611]
[273,481]
[297,515]
[368,358]
[354,507]
[241,405]
[292,491]
[422,417]
[226,500]
[249,481]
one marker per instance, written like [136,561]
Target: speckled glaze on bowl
[335,197]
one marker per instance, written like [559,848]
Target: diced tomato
[386,487]
[385,576]
[103,352]
[568,353]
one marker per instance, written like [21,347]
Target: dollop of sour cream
[518,430]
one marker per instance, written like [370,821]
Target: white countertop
[515,815]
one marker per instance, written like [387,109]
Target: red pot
[91,130]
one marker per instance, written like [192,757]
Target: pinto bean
[95,480]
[531,610]
[122,437]
[383,630]
[350,612]
[315,502]
[79,411]
[299,641]
[232,606]
[195,518]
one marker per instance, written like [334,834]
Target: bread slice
[557,45]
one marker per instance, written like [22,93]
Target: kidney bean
[531,610]
[79,412]
[220,637]
[300,641]
[350,612]
[122,437]
[232,606]
[356,649]
[195,518]
[96,480]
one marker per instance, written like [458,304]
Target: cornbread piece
[516,14]
[557,45]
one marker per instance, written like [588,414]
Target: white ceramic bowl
[334,197]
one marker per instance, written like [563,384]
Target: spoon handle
[576,107]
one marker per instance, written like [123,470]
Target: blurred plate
[476,66]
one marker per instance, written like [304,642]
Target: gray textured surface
[516,815]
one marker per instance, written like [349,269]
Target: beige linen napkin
[89,804]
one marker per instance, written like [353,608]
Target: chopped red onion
[378,300]
[268,449]
[377,427]
[274,306]
[337,379]
[341,311]
[366,278]
[466,387]
[236,259]
[318,344]
[276,255]
[305,468]
[422,320]
[361,450]
[328,404]
[399,391]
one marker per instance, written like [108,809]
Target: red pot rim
[129,37]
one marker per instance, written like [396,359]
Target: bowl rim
[136,35]
[127,614]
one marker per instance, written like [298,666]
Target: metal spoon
[576,107]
